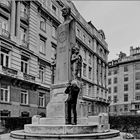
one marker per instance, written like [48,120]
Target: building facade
[124,83]
[28,42]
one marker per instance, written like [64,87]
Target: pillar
[13,18]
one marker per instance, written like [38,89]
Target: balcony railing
[24,16]
[9,71]
[4,33]
[28,77]
[5,4]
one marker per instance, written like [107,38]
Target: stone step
[60,129]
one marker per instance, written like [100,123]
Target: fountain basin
[21,134]
[60,129]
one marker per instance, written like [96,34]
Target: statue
[72,90]
[122,55]
[76,63]
[66,11]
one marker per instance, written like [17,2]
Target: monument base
[21,134]
[96,127]
[60,129]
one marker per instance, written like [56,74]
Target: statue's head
[75,49]
[66,11]
[74,83]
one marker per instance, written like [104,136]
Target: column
[13,18]
[18,20]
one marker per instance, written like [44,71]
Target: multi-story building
[124,83]
[28,42]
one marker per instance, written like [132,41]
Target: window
[115,108]
[42,45]
[53,52]
[137,86]
[89,74]
[41,100]
[23,35]
[115,99]
[84,89]
[24,64]
[109,98]
[137,66]
[125,68]
[84,38]
[115,89]
[137,106]
[5,113]
[4,27]
[43,24]
[125,87]
[4,54]
[84,54]
[97,90]
[101,51]
[25,114]
[109,81]
[89,89]
[115,80]
[84,69]
[109,73]
[137,96]
[89,60]
[89,107]
[54,9]
[89,42]
[41,72]
[125,107]
[78,32]
[137,76]
[125,97]
[54,32]
[4,93]
[125,77]
[115,71]
[24,97]
[109,90]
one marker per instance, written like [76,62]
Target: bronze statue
[66,11]
[72,90]
[76,63]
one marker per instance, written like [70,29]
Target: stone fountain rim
[99,134]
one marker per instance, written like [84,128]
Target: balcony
[5,4]
[4,33]
[24,16]
[8,71]
[135,101]
[28,77]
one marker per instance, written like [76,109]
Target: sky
[120,21]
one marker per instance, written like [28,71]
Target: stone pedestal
[56,107]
